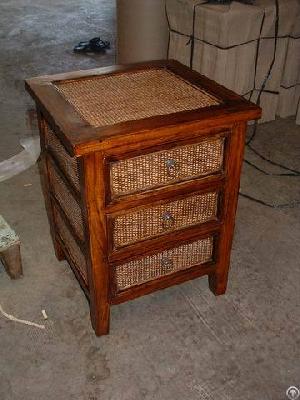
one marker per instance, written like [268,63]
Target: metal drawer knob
[171,167]
[167,263]
[168,220]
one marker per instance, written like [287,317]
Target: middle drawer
[163,218]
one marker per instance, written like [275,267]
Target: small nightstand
[141,170]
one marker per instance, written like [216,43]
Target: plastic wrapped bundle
[235,45]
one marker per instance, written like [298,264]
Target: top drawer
[66,163]
[165,167]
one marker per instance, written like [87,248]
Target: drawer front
[66,201]
[164,263]
[75,255]
[67,163]
[164,167]
[163,218]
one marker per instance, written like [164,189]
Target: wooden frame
[95,148]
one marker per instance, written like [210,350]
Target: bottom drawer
[164,263]
[74,252]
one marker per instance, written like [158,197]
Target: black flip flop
[95,45]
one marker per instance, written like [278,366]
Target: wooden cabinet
[141,167]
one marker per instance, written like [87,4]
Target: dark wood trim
[80,138]
[172,239]
[94,190]
[218,280]
[170,193]
[165,192]
[191,136]
[60,115]
[87,74]
[206,118]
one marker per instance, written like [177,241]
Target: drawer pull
[171,167]
[167,263]
[168,220]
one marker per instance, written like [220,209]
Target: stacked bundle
[239,45]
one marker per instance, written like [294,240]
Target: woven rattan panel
[149,222]
[74,252]
[165,167]
[67,163]
[167,262]
[108,100]
[67,201]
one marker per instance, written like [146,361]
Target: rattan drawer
[166,167]
[164,263]
[67,163]
[163,218]
[74,253]
[66,200]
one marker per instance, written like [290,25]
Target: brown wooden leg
[59,253]
[11,259]
[92,170]
[100,320]
[233,165]
[217,284]
[44,179]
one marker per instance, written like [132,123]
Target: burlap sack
[291,72]
[268,103]
[219,25]
[265,57]
[219,32]
[232,68]
[180,15]
[285,70]
[227,67]
[227,25]
[290,90]
[180,48]
[288,12]
[288,101]
[225,46]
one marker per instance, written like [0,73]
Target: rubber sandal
[95,45]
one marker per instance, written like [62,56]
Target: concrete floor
[181,343]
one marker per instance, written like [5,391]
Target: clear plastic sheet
[21,161]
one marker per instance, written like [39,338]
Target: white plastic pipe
[142,31]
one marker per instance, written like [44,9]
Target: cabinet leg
[11,259]
[218,283]
[100,320]
[59,253]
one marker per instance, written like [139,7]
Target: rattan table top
[110,99]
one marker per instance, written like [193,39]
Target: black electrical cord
[292,204]
[268,173]
[294,172]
